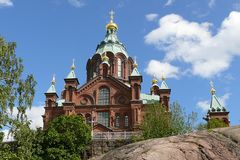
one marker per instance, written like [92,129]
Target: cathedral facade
[111,99]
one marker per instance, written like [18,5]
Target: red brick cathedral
[111,99]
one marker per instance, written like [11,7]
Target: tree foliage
[159,123]
[67,137]
[14,90]
[216,123]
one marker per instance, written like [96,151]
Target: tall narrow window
[119,67]
[49,103]
[97,68]
[103,118]
[126,121]
[70,93]
[136,90]
[103,98]
[88,118]
[117,121]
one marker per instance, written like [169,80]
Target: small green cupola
[52,88]
[164,84]
[71,79]
[111,42]
[72,74]
[215,105]
[135,71]
[216,109]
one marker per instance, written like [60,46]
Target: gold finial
[111,24]
[213,90]
[73,65]
[105,57]
[135,65]
[154,80]
[53,80]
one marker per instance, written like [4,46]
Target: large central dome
[111,42]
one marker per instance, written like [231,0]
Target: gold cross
[111,15]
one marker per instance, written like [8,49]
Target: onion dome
[105,59]
[111,42]
[111,24]
[154,81]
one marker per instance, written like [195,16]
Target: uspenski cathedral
[111,99]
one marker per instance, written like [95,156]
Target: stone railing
[114,135]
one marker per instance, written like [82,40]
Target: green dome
[112,44]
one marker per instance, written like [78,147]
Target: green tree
[159,123]
[216,123]
[67,137]
[156,122]
[15,91]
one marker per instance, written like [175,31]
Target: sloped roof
[51,89]
[164,85]
[149,99]
[135,72]
[215,105]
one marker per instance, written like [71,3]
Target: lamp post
[92,123]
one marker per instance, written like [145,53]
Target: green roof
[51,89]
[135,72]
[164,85]
[215,105]
[71,75]
[60,102]
[149,99]
[112,44]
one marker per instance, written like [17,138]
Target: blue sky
[192,42]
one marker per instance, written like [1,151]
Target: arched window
[119,64]
[117,121]
[103,98]
[126,121]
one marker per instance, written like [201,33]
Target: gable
[118,90]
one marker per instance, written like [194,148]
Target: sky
[191,42]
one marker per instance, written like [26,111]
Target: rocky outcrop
[219,144]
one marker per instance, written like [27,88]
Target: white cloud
[156,68]
[169,2]
[76,3]
[6,3]
[211,3]
[151,16]
[205,104]
[7,137]
[193,43]
[35,115]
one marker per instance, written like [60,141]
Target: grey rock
[218,144]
